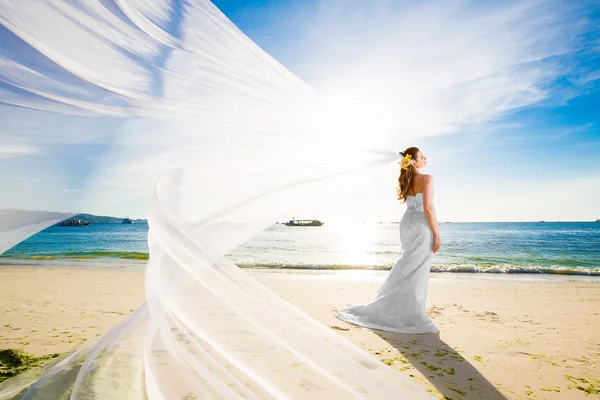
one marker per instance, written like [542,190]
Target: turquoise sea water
[523,247]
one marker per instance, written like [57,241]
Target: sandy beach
[515,337]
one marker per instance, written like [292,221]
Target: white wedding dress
[399,305]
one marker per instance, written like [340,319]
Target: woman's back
[417,184]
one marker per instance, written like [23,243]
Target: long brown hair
[406,174]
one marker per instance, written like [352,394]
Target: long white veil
[115,103]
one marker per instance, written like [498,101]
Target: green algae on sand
[14,362]
[586,385]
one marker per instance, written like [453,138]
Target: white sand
[518,338]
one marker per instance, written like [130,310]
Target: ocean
[570,248]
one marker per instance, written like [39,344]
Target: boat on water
[127,221]
[598,220]
[303,222]
[74,222]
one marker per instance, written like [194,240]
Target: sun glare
[350,116]
[354,241]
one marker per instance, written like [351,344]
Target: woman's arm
[430,212]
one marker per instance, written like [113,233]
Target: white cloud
[590,77]
[17,150]
[421,69]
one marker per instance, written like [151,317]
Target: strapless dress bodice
[415,203]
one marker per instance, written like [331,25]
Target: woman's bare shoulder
[425,178]
[425,181]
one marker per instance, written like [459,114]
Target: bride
[399,305]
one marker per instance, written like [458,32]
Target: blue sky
[568,122]
[550,146]
[501,96]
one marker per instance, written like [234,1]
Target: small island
[74,222]
[99,219]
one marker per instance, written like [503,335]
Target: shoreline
[494,272]
[546,330]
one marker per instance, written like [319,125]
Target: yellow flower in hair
[406,161]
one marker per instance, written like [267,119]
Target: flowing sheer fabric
[110,105]
[399,305]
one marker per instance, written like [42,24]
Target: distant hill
[98,219]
